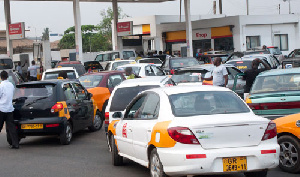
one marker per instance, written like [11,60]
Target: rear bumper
[175,162]
[56,130]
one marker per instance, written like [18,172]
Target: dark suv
[56,107]
[75,64]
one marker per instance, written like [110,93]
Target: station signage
[125,28]
[17,30]
[201,34]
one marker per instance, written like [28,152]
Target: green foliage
[94,38]
[45,35]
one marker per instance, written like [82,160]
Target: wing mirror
[117,115]
[89,96]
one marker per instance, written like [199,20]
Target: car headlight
[298,123]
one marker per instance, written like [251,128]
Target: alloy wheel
[97,121]
[155,166]
[288,154]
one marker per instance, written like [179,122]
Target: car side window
[151,107]
[135,111]
[149,71]
[69,92]
[107,66]
[80,92]
[114,80]
[157,71]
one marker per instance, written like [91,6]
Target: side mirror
[89,96]
[117,115]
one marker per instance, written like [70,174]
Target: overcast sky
[58,16]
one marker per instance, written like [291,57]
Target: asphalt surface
[86,156]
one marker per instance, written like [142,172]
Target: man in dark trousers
[250,74]
[6,110]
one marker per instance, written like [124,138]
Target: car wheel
[257,174]
[117,160]
[103,108]
[156,167]
[108,142]
[66,135]
[97,123]
[289,157]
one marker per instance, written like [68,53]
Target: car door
[124,133]
[143,126]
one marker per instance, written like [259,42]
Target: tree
[45,35]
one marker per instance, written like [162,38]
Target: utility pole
[220,7]
[279,8]
[215,7]
[247,4]
[289,6]
[180,10]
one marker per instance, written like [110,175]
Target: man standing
[219,74]
[6,111]
[33,71]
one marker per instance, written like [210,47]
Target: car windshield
[277,83]
[184,62]
[206,103]
[6,64]
[54,75]
[32,92]
[90,81]
[241,65]
[119,63]
[151,60]
[79,68]
[275,51]
[135,69]
[123,96]
[188,77]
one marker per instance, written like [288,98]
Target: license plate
[234,164]
[95,70]
[32,126]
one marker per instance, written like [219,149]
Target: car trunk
[225,131]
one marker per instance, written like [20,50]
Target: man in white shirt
[219,74]
[6,110]
[33,71]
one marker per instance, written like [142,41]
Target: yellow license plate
[95,70]
[234,164]
[32,126]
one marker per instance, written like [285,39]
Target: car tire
[117,160]
[156,167]
[263,173]
[103,108]
[289,157]
[108,142]
[66,135]
[97,123]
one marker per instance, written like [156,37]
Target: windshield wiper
[34,101]
[19,99]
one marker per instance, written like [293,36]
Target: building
[218,32]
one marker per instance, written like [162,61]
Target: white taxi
[194,130]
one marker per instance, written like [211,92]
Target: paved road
[87,156]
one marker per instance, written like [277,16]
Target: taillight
[270,132]
[52,125]
[57,107]
[183,135]
[254,106]
[106,116]
[172,71]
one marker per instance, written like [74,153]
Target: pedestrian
[130,74]
[19,68]
[6,111]
[250,74]
[32,71]
[219,74]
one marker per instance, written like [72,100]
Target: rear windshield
[153,60]
[92,65]
[188,77]
[54,75]
[135,69]
[206,103]
[79,68]
[6,63]
[184,62]
[120,63]
[90,81]
[241,65]
[123,96]
[35,92]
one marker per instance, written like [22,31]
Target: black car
[170,65]
[56,107]
[95,66]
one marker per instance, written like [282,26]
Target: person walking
[6,111]
[219,74]
[19,68]
[250,74]
[32,70]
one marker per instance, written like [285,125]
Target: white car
[54,73]
[270,58]
[144,69]
[155,61]
[194,130]
[127,90]
[112,65]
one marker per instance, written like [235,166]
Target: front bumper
[45,130]
[175,162]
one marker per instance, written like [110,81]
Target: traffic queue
[169,118]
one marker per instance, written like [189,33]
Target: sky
[58,16]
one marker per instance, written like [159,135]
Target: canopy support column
[78,36]
[9,45]
[117,41]
[189,34]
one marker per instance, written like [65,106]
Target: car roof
[189,88]
[135,65]
[178,58]
[69,62]
[275,72]
[205,66]
[53,81]
[60,69]
[105,72]
[150,80]
[242,59]
[3,56]
[257,55]
[115,61]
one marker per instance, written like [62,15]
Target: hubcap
[97,121]
[155,166]
[69,133]
[288,154]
